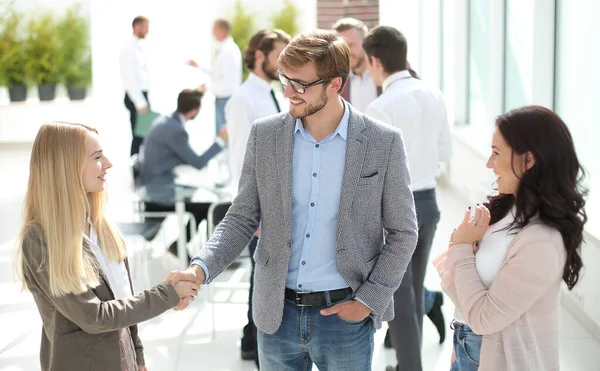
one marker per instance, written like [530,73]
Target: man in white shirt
[420,112]
[254,100]
[135,75]
[360,90]
[226,74]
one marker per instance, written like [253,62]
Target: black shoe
[436,316]
[391,368]
[387,342]
[250,355]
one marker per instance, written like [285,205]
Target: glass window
[577,91]
[519,53]
[479,61]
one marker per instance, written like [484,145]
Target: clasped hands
[472,229]
[187,284]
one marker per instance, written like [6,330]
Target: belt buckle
[297,300]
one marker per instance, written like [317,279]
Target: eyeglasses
[298,87]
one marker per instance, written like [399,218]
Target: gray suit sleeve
[179,143]
[400,223]
[240,223]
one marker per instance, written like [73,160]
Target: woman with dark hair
[505,263]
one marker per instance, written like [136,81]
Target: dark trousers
[199,210]
[249,337]
[136,142]
[407,326]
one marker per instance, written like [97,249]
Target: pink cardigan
[518,314]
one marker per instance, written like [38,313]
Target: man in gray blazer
[330,189]
[166,146]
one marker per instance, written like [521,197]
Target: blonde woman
[73,260]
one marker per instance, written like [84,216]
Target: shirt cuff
[361,301]
[198,261]
[221,143]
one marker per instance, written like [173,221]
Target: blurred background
[59,61]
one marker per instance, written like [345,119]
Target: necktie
[275,100]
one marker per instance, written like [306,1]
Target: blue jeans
[428,300]
[305,336]
[467,346]
[220,112]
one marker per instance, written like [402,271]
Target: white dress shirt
[134,70]
[363,90]
[226,74]
[419,111]
[492,252]
[115,272]
[252,101]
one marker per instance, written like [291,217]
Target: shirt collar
[341,130]
[181,118]
[365,75]
[260,83]
[394,77]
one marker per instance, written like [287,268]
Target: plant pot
[47,92]
[17,93]
[76,93]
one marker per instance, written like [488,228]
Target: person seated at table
[166,146]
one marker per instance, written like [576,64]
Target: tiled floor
[182,340]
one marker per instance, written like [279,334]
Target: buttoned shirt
[420,112]
[252,101]
[226,74]
[135,72]
[317,174]
[363,90]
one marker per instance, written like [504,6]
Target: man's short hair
[139,19]
[346,24]
[188,100]
[389,46]
[263,40]
[224,24]
[325,48]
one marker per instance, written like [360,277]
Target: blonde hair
[346,24]
[56,205]
[325,48]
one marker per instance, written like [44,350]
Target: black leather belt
[314,299]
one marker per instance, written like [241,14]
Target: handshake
[187,284]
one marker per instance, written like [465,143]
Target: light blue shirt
[317,175]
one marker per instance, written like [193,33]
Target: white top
[226,74]
[115,272]
[363,90]
[134,70]
[419,111]
[252,101]
[492,252]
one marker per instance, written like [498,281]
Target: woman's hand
[472,230]
[187,289]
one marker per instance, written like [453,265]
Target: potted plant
[13,74]
[242,28]
[75,58]
[42,53]
[287,18]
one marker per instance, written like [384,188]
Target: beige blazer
[91,331]
[518,314]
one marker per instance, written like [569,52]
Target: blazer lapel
[284,143]
[355,156]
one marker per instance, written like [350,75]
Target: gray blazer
[375,197]
[90,331]
[166,146]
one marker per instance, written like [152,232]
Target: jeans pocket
[351,321]
[471,346]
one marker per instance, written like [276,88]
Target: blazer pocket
[260,257]
[369,180]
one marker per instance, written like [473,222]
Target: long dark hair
[553,187]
